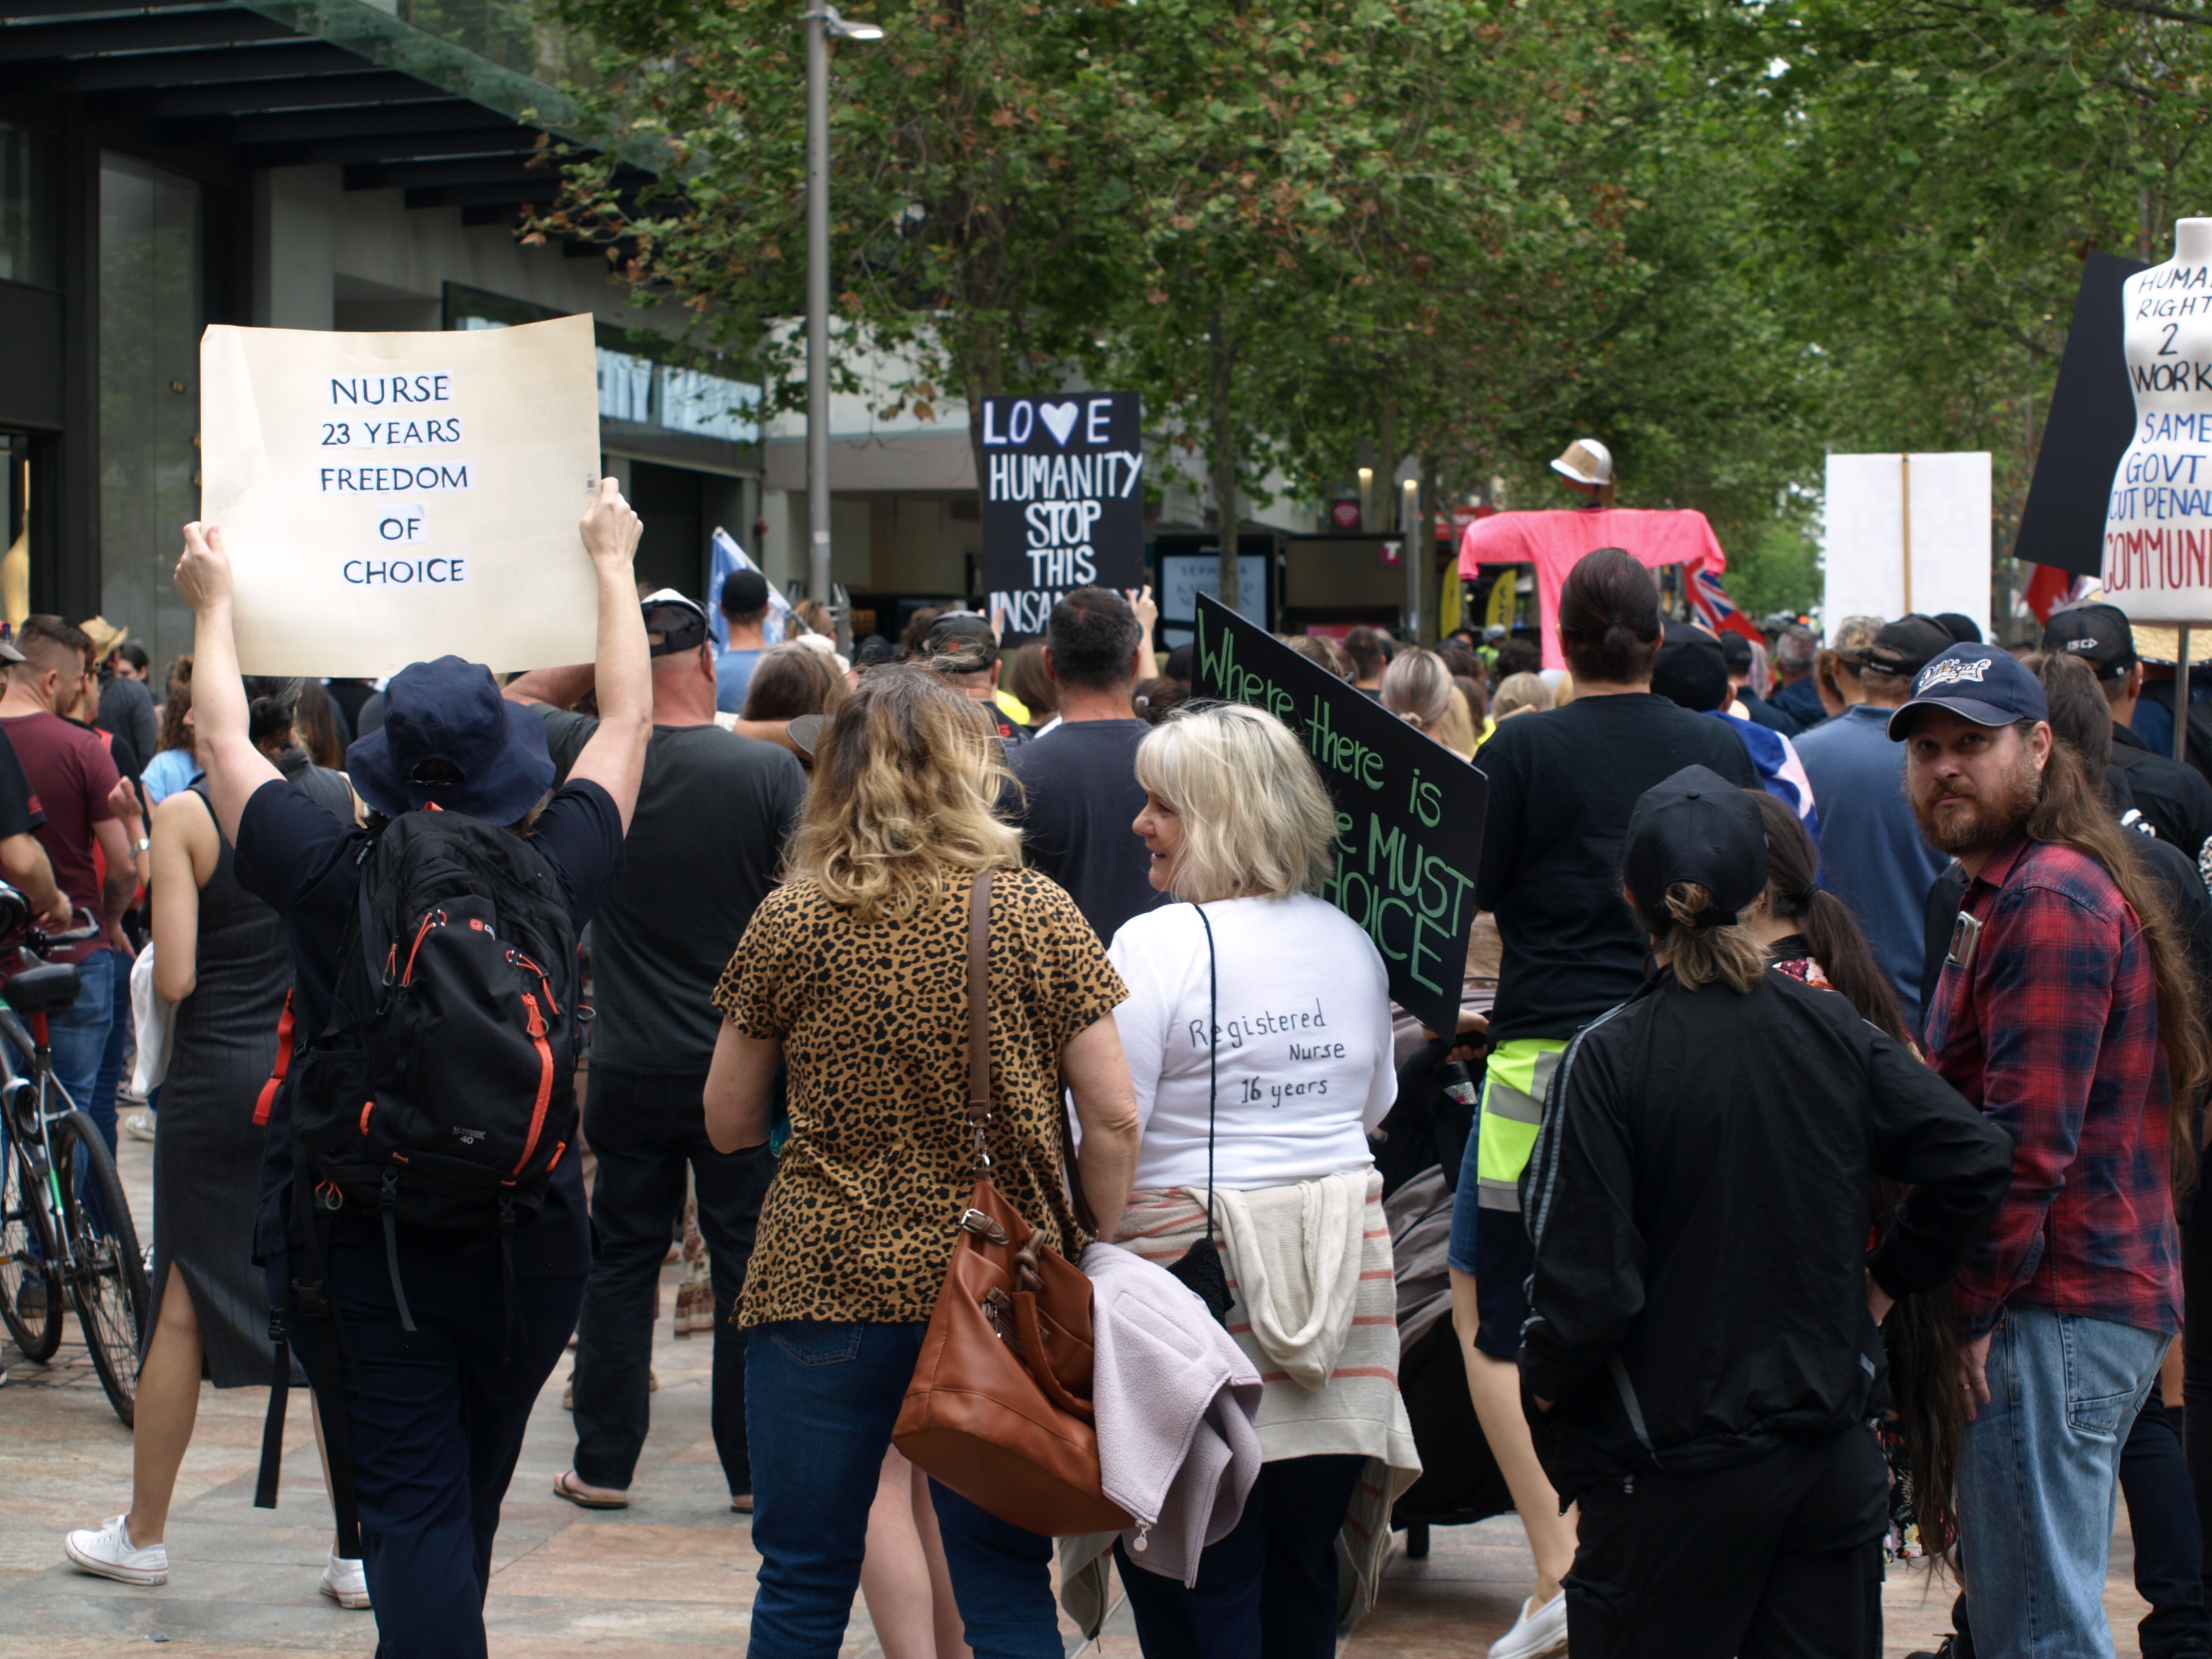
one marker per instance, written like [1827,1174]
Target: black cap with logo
[2100,635]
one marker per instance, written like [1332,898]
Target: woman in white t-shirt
[1297,1068]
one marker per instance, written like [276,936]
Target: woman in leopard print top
[853,976]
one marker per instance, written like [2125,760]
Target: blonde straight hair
[1255,819]
[903,800]
[1728,955]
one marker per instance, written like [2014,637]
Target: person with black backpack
[422,1218]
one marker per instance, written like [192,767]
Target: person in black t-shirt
[2167,797]
[1562,786]
[1079,793]
[703,850]
[435,1414]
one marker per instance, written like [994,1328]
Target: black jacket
[2170,798]
[1700,1200]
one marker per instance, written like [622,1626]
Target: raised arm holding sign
[1409,812]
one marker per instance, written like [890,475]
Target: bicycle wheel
[106,1275]
[30,1284]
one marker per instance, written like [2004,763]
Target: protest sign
[1409,812]
[2158,522]
[1061,505]
[389,498]
[1906,532]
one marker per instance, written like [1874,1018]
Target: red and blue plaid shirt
[2052,1030]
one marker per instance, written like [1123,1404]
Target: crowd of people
[1839,1009]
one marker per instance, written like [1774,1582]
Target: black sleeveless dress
[207,1151]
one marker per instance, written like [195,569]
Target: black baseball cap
[1962,628]
[1979,683]
[743,592]
[2100,635]
[961,642]
[1695,826]
[1906,646]
[1735,652]
[1689,669]
[681,622]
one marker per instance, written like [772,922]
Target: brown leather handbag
[1000,1407]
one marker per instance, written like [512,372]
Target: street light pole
[821,22]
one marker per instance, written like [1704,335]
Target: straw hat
[1586,462]
[105,636]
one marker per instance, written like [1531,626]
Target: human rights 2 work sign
[1061,503]
[1409,812]
[389,498]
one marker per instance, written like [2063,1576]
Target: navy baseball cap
[1979,683]
[1695,826]
[493,762]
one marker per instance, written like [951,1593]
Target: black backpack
[440,1091]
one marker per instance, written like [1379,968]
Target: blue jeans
[78,1037]
[101,1108]
[1269,1587]
[2038,1477]
[820,1401]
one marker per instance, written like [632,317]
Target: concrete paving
[671,1577]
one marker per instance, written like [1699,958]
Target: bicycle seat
[45,989]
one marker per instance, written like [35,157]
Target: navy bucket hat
[494,764]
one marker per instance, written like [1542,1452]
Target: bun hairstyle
[1793,868]
[1609,618]
[1417,687]
[273,708]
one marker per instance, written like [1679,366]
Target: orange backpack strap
[268,1099]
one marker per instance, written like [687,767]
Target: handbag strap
[979,1016]
[1213,1053]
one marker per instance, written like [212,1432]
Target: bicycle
[65,1227]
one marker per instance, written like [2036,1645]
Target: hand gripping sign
[389,498]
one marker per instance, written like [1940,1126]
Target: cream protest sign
[389,498]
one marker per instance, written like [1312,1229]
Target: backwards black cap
[2100,635]
[1695,826]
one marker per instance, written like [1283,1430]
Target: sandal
[576,1495]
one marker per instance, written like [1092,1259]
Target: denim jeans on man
[437,1431]
[2038,1479]
[645,1129]
[77,1037]
[822,1399]
[100,1106]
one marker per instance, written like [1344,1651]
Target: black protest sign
[1061,505]
[1409,812]
[2092,416]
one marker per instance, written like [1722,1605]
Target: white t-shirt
[1305,1055]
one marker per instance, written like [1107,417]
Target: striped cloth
[1359,1412]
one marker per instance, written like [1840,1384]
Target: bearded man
[2065,1011]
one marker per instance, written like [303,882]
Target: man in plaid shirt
[2046,1017]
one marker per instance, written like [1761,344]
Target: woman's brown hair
[791,680]
[906,784]
[175,734]
[1609,617]
[1793,867]
[1032,685]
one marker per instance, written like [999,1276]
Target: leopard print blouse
[873,1018]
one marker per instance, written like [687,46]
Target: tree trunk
[1385,462]
[1224,454]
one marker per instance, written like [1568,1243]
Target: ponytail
[1700,956]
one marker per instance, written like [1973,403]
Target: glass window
[27,207]
[150,316]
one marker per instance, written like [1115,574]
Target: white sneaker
[110,1553]
[139,1126]
[1538,1631]
[346,1583]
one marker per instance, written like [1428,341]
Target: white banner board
[389,498]
[1863,539]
